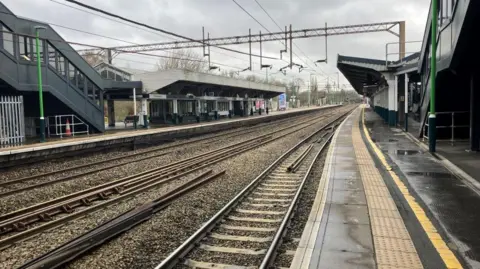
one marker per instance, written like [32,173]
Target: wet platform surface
[355,221]
[458,152]
[453,204]
[339,235]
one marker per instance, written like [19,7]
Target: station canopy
[365,75]
[176,82]
[180,83]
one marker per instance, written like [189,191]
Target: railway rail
[247,232]
[24,223]
[14,186]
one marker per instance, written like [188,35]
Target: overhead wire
[129,42]
[100,47]
[146,30]
[251,16]
[255,19]
[152,27]
[275,22]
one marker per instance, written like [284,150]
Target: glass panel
[51,55]
[111,75]
[25,48]
[81,81]
[97,95]
[40,49]
[118,77]
[104,74]
[90,92]
[72,74]
[7,40]
[61,65]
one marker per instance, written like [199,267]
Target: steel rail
[277,239]
[84,199]
[33,177]
[114,227]
[70,177]
[155,169]
[18,220]
[172,260]
[66,207]
[296,163]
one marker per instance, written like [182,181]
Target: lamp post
[39,80]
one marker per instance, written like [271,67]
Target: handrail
[452,126]
[387,64]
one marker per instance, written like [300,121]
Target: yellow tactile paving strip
[393,245]
[392,242]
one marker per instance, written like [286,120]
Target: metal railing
[57,126]
[452,125]
[12,124]
[401,60]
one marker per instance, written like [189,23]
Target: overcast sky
[225,18]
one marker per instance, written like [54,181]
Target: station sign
[282,101]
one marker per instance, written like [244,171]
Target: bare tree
[184,60]
[92,58]
[229,74]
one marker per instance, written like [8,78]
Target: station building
[400,90]
[180,96]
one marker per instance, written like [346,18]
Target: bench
[130,119]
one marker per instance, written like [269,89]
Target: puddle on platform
[407,152]
[431,174]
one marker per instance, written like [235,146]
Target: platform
[381,205]
[97,142]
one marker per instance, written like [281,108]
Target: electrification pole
[432,124]
[40,87]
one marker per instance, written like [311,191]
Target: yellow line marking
[392,242]
[440,245]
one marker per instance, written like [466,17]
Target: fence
[57,126]
[12,125]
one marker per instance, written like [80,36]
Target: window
[90,89]
[97,95]
[40,50]
[81,81]
[25,44]
[7,39]
[51,55]
[110,75]
[104,74]
[72,74]
[446,11]
[61,65]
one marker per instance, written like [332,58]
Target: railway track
[18,185]
[18,225]
[247,232]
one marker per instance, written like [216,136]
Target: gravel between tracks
[302,213]
[146,245]
[48,166]
[45,193]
